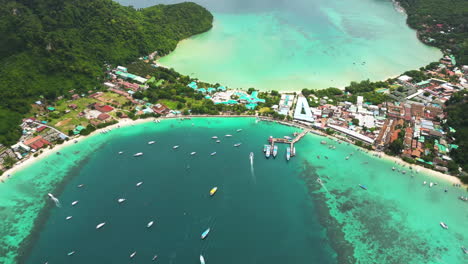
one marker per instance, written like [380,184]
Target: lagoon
[275,213]
[296,44]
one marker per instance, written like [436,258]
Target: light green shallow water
[291,45]
[395,221]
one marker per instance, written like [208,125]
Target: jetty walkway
[296,139]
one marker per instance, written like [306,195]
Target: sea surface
[295,44]
[271,211]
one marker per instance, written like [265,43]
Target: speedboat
[275,151]
[237,144]
[121,200]
[202,260]
[443,225]
[151,142]
[213,191]
[347,157]
[268,151]
[293,151]
[69,217]
[288,138]
[74,203]
[431,184]
[193,153]
[139,183]
[81,185]
[150,224]
[175,147]
[251,156]
[100,225]
[265,148]
[214,137]
[133,254]
[228,135]
[363,187]
[393,168]
[213,153]
[218,141]
[464,250]
[71,253]
[288,153]
[120,152]
[155,257]
[425,182]
[239,130]
[205,233]
[138,154]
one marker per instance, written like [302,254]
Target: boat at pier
[288,153]
[275,151]
[268,151]
[293,151]
[265,148]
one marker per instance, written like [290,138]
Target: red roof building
[103,108]
[39,129]
[36,142]
[161,109]
[103,117]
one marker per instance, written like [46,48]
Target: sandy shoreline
[129,122]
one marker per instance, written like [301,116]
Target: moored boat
[121,200]
[138,184]
[202,260]
[228,135]
[150,224]
[239,130]
[69,217]
[138,154]
[268,151]
[213,191]
[275,151]
[265,148]
[151,142]
[100,225]
[431,184]
[213,153]
[175,147]
[288,153]
[363,187]
[205,233]
[71,253]
[443,225]
[214,137]
[193,153]
[237,144]
[425,182]
[155,257]
[464,250]
[120,152]
[218,141]
[74,203]
[133,254]
[287,137]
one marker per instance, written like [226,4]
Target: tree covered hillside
[48,47]
[444,21]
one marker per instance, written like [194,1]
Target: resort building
[302,111]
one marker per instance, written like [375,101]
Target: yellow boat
[213,191]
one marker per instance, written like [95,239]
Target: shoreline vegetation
[129,122]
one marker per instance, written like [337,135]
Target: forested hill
[441,23]
[48,47]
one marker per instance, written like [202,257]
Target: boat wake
[54,199]
[323,185]
[252,172]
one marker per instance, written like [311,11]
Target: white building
[302,111]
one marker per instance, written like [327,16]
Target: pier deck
[287,141]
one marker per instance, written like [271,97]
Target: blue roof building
[221,88]
[193,85]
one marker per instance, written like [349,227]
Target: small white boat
[202,260]
[218,141]
[214,137]
[193,153]
[69,217]
[347,158]
[237,144]
[138,154]
[150,224]
[205,233]
[431,184]
[81,185]
[151,142]
[138,184]
[228,135]
[175,147]
[74,203]
[214,153]
[425,182]
[155,257]
[121,200]
[133,254]
[239,130]
[100,225]
[443,225]
[71,253]
[120,152]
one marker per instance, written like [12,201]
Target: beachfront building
[286,102]
[302,111]
[233,97]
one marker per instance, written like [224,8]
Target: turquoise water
[296,44]
[277,213]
